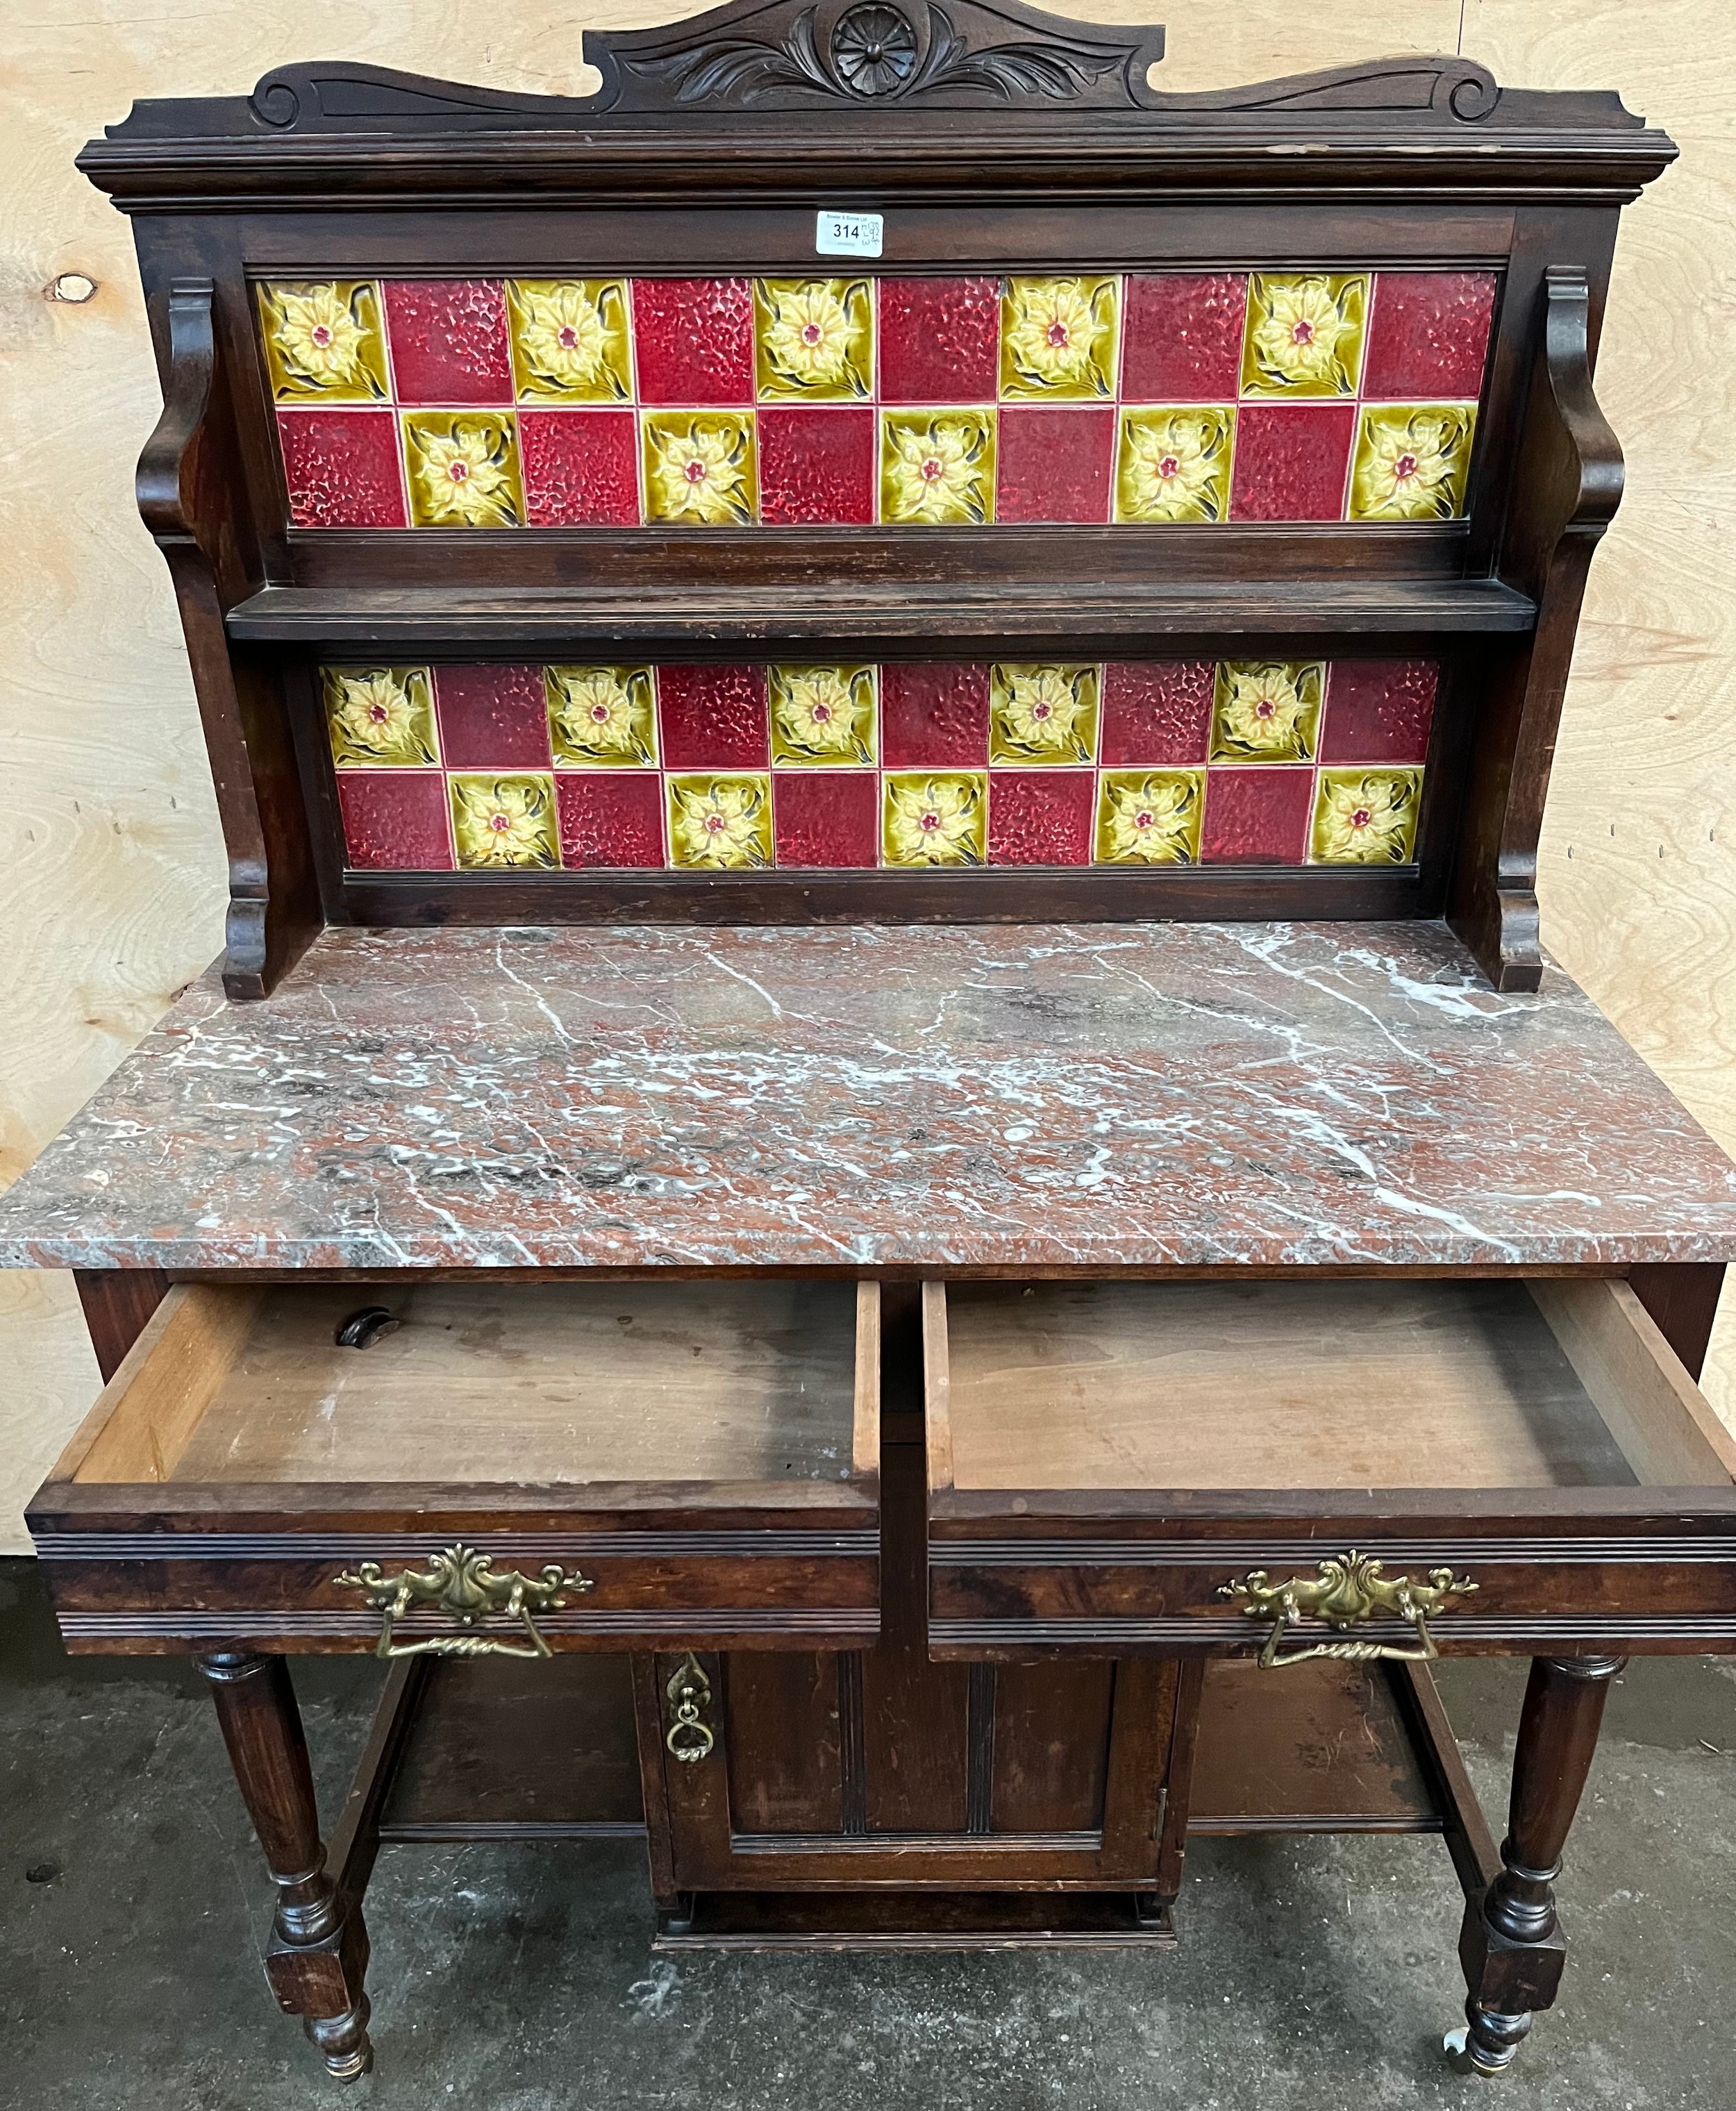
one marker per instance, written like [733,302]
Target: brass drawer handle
[690,1736]
[462,1584]
[1348,1590]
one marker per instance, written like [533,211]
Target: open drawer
[518,1466]
[1215,1468]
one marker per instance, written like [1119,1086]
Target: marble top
[1107,1096]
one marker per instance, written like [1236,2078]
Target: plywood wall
[111,874]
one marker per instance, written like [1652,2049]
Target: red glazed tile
[610,818]
[580,468]
[1292,461]
[1379,710]
[1157,712]
[829,818]
[1040,816]
[1183,340]
[694,340]
[713,718]
[341,468]
[492,718]
[1055,464]
[449,340]
[933,715]
[1429,335]
[817,463]
[395,820]
[940,340]
[1257,816]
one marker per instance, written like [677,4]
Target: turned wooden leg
[1510,1946]
[319,1951]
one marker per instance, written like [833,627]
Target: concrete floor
[1314,1974]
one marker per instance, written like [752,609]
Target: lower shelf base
[916,1920]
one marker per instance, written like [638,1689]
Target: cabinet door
[882,1766]
[1325,1467]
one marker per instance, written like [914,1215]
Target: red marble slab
[1117,1096]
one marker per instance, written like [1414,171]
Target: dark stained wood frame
[998,133]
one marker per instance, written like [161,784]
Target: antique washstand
[883,1170]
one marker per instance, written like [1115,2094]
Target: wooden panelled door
[876,1767]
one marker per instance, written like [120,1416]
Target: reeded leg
[319,1951]
[1511,1947]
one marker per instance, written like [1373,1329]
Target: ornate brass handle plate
[1348,1590]
[462,1583]
[690,1736]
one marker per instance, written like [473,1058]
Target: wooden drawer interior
[1342,1384]
[769,1383]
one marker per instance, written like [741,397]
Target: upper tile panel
[1082,399]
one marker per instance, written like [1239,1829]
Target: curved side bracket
[167,475]
[1568,486]
[187,485]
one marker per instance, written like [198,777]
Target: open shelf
[1060,617]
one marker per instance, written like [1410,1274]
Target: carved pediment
[796,54]
[899,93]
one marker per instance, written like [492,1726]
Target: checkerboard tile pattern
[959,401]
[843,766]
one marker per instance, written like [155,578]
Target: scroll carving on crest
[883,52]
[868,60]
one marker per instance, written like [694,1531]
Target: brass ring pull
[1346,1590]
[462,1583]
[690,1736]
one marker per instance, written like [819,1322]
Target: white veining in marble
[1108,1095]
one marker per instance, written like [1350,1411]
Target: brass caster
[1490,2053]
[343,2042]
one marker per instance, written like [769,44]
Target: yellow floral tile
[1173,465]
[1266,710]
[934,816]
[699,467]
[1150,816]
[720,823]
[813,338]
[1304,333]
[602,718]
[1412,461]
[504,820]
[822,716]
[323,342]
[380,717]
[937,466]
[463,468]
[1058,338]
[1043,714]
[571,340]
[1365,816]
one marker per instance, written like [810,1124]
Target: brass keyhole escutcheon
[690,1736]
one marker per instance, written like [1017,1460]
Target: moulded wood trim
[1026,613]
[1022,894]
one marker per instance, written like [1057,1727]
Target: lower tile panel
[840,767]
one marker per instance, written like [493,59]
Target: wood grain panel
[1051,1745]
[109,843]
[783,1744]
[1268,1385]
[915,1784]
